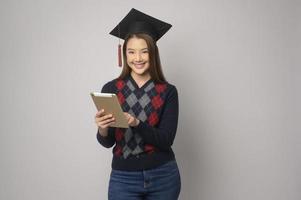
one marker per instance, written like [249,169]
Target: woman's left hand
[132,121]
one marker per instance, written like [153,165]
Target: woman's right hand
[103,122]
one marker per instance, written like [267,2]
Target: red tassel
[119,56]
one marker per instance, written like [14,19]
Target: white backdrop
[235,66]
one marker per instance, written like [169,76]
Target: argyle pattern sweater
[147,145]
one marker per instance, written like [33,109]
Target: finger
[107,125]
[127,115]
[106,122]
[131,120]
[100,113]
[104,117]
[110,124]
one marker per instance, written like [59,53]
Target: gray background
[235,64]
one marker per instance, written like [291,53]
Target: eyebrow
[134,49]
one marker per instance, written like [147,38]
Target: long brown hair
[155,68]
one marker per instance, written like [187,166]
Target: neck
[140,79]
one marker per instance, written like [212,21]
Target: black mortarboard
[139,22]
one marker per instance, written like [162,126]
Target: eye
[146,51]
[130,52]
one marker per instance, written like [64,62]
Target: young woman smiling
[144,164]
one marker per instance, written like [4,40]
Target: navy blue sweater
[147,145]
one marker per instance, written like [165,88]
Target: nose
[138,57]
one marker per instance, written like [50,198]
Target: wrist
[103,132]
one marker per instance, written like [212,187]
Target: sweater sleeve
[163,135]
[109,140]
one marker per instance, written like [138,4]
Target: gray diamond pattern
[131,100]
[144,100]
[130,85]
[126,151]
[129,136]
[142,116]
[132,113]
[149,87]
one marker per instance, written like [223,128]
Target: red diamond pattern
[120,97]
[157,102]
[149,148]
[118,150]
[118,134]
[120,84]
[160,88]
[153,119]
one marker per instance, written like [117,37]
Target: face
[137,57]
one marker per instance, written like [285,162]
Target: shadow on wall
[190,143]
[191,150]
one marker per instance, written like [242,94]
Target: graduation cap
[138,22]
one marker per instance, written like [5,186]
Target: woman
[144,165]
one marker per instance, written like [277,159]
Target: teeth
[139,65]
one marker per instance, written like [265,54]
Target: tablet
[109,102]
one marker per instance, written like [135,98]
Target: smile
[139,65]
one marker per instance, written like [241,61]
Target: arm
[163,135]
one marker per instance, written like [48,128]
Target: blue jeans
[161,183]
